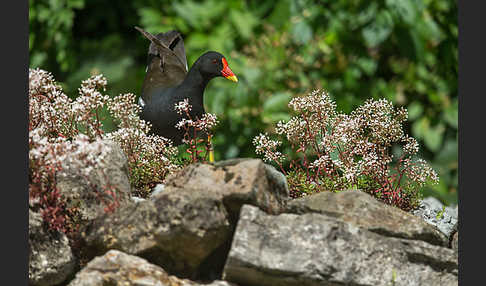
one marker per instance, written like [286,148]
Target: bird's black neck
[196,80]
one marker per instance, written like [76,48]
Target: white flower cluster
[42,82]
[411,146]
[151,152]
[125,110]
[206,122]
[419,172]
[85,156]
[79,155]
[89,103]
[183,106]
[55,122]
[359,142]
[184,123]
[346,131]
[318,102]
[323,162]
[379,121]
[95,82]
[295,130]
[49,108]
[268,148]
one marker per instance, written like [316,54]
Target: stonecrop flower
[66,130]
[207,121]
[124,109]
[183,106]
[348,146]
[267,147]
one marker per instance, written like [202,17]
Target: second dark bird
[167,82]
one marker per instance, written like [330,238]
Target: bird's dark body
[167,82]
[163,116]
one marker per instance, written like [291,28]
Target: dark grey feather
[167,63]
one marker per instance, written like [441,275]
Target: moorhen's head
[213,64]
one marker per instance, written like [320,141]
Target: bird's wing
[167,64]
[174,41]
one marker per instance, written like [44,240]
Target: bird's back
[167,63]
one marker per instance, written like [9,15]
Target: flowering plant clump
[55,144]
[66,133]
[193,128]
[334,151]
[150,157]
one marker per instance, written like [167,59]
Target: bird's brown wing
[167,63]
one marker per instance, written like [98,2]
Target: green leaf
[223,39]
[404,9]
[433,138]
[429,29]
[252,75]
[367,65]
[415,109]
[379,30]
[150,17]
[451,115]
[277,102]
[77,4]
[200,15]
[244,22]
[366,15]
[420,127]
[448,154]
[301,32]
[275,108]
[280,14]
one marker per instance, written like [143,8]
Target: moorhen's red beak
[226,71]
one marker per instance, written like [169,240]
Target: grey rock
[431,210]
[316,249]
[50,258]
[159,188]
[84,191]
[176,230]
[237,182]
[277,180]
[137,199]
[455,242]
[187,228]
[118,268]
[366,212]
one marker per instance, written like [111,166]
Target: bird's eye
[215,61]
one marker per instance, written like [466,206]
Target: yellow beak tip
[232,78]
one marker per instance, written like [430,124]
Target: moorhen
[168,82]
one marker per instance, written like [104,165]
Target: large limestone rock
[317,249]
[85,192]
[366,212]
[118,268]
[236,182]
[187,228]
[176,230]
[50,258]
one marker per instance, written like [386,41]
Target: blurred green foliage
[402,50]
